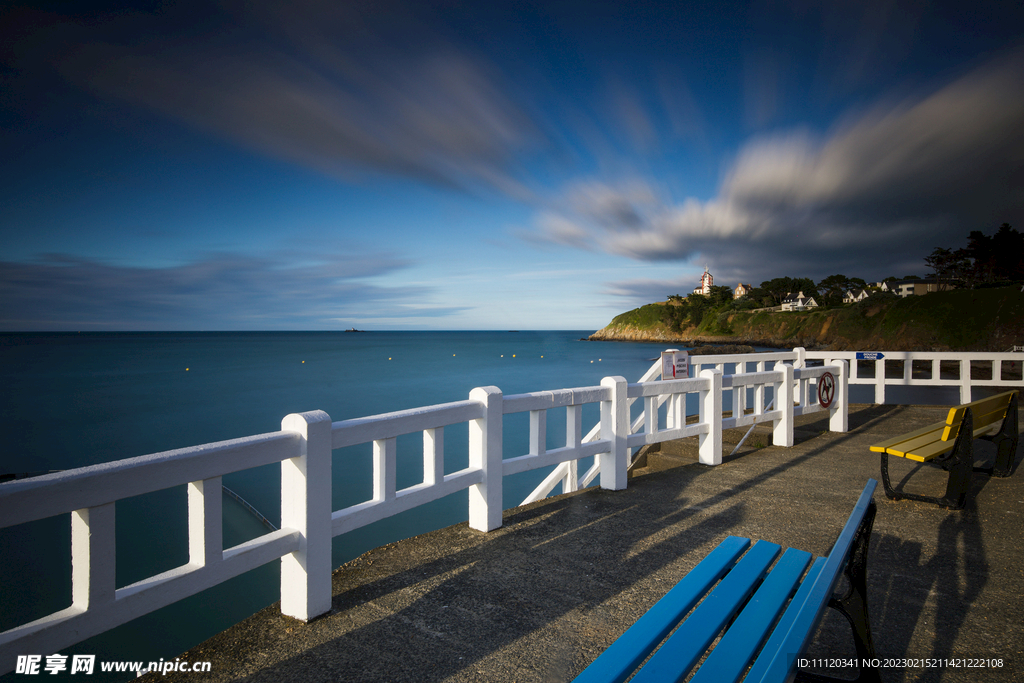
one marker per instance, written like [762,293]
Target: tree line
[985,261]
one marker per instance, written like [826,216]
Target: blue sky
[466,165]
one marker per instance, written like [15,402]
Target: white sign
[675,365]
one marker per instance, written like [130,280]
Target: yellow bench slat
[881,447]
[926,452]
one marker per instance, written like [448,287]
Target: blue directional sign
[869,355]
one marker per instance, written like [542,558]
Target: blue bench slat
[616,663]
[782,661]
[741,642]
[683,649]
[757,671]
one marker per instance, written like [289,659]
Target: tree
[987,259]
[952,267]
[833,288]
[1007,244]
[720,296]
[760,296]
[939,261]
[777,289]
[699,305]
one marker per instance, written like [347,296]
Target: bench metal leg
[854,605]
[1006,443]
[959,463]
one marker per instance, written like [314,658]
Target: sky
[412,165]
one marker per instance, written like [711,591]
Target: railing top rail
[818,371]
[24,500]
[920,355]
[541,400]
[743,357]
[388,425]
[744,379]
[667,386]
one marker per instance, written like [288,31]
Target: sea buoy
[186,369]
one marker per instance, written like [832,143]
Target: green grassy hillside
[958,320]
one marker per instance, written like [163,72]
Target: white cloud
[871,198]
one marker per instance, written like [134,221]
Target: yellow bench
[950,445]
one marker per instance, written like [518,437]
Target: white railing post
[205,522]
[709,447]
[614,428]
[965,380]
[879,381]
[92,556]
[782,434]
[573,439]
[839,411]
[433,455]
[801,357]
[485,444]
[306,507]
[385,469]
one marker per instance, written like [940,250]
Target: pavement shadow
[953,575]
[541,597]
[441,617]
[454,597]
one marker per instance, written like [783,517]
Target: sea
[75,399]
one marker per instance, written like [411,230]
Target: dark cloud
[221,292]
[872,198]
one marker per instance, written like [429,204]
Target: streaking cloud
[342,88]
[220,292]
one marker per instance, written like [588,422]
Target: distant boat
[355,330]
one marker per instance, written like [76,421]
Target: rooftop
[541,597]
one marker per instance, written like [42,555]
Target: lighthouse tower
[706,280]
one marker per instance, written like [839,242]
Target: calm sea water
[71,400]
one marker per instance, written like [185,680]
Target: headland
[956,320]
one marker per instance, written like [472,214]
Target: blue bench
[741,595]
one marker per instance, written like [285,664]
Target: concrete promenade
[540,598]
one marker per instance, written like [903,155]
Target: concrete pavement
[540,598]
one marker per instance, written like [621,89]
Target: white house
[798,302]
[855,295]
[905,288]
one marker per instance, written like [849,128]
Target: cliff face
[961,320]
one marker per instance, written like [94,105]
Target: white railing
[304,446]
[306,441]
[566,475]
[925,369]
